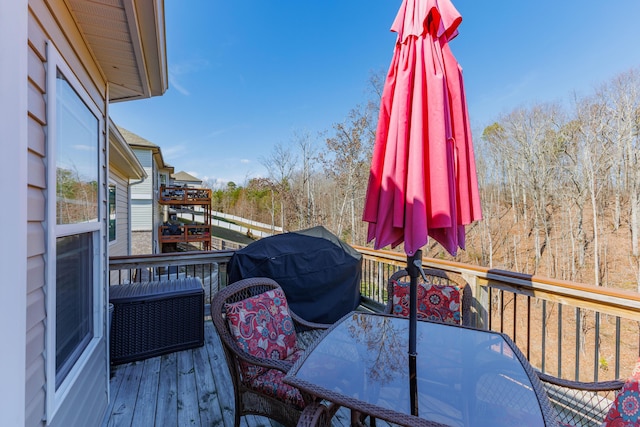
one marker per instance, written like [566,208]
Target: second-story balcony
[568,330]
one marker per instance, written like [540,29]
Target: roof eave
[148,35]
[121,155]
[128,41]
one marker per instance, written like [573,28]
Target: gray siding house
[146,213]
[184,179]
[69,59]
[125,171]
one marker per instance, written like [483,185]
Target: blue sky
[246,75]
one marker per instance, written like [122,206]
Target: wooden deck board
[124,406]
[148,392]
[206,388]
[221,377]
[188,410]
[167,404]
[114,385]
[186,388]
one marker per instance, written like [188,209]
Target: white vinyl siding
[142,194]
[35,397]
[145,157]
[86,401]
[120,246]
[141,215]
[144,190]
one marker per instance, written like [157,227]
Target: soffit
[127,38]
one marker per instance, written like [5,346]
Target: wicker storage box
[154,318]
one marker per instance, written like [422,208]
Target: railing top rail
[196,257]
[619,300]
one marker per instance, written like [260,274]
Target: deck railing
[571,330]
[209,266]
[184,195]
[567,329]
[184,233]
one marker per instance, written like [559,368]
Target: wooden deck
[186,388]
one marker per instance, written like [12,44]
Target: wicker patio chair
[606,403]
[257,378]
[445,297]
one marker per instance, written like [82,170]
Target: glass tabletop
[464,376]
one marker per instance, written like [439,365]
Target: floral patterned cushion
[435,302]
[625,411]
[262,326]
[270,383]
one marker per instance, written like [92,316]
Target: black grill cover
[319,273]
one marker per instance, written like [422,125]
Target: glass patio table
[464,376]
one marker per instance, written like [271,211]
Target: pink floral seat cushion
[263,327]
[270,383]
[625,411]
[440,303]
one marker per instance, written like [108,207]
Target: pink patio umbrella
[422,180]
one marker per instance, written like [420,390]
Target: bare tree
[305,199]
[280,164]
[621,97]
[530,137]
[347,161]
[501,152]
[575,192]
[594,159]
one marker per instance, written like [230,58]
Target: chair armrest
[579,402]
[280,365]
[580,385]
[306,325]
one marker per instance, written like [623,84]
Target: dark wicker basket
[155,318]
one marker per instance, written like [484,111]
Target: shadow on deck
[186,388]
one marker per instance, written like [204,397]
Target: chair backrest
[233,294]
[445,297]
[625,410]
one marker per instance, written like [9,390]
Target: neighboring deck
[186,388]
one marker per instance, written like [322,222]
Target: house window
[74,300]
[76,206]
[76,157]
[76,197]
[112,212]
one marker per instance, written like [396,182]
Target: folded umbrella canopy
[423,178]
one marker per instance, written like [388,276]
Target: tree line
[559,185]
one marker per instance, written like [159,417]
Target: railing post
[480,287]
[381,285]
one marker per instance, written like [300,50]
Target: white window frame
[108,213]
[55,397]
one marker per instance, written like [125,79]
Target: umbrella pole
[413,385]
[414,272]
[414,265]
